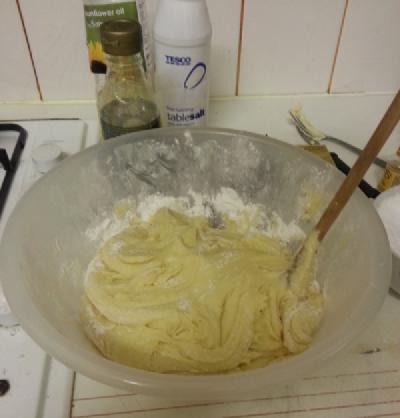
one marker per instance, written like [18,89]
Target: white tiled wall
[17,80]
[288,47]
[57,38]
[225,21]
[369,54]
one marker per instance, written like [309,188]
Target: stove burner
[10,165]
[4,386]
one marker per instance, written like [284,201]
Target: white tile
[288,46]
[17,80]
[60,53]
[58,42]
[369,58]
[151,7]
[225,21]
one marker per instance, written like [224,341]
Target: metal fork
[314,136]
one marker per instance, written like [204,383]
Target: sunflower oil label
[95,15]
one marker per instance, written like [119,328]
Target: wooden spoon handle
[357,172]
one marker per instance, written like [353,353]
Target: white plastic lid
[46,156]
[182,22]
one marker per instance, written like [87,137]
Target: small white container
[387,205]
[182,38]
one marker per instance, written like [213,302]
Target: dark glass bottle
[126,103]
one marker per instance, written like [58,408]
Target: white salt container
[182,42]
[387,205]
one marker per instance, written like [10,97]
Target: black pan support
[10,165]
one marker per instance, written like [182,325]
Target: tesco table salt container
[182,39]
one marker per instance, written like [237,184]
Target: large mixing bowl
[53,233]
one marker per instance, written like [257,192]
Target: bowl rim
[144,381]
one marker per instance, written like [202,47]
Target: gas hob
[32,384]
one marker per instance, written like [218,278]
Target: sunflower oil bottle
[126,100]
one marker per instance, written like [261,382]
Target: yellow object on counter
[175,295]
[320,151]
[391,175]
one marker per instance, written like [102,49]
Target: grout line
[390,414]
[117,395]
[308,410]
[346,4]
[61,102]
[352,374]
[29,49]
[252,400]
[257,414]
[71,398]
[239,52]
[247,98]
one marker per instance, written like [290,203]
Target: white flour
[150,205]
[110,225]
[278,229]
[94,265]
[4,308]
[227,202]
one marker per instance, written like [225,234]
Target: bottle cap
[121,37]
[182,23]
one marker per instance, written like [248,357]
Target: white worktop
[364,381]
[351,117]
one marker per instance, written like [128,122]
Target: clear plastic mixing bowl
[49,241]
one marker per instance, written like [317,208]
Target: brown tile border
[339,39]
[239,51]
[29,49]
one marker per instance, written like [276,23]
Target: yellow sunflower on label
[96,57]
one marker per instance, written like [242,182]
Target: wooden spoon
[303,258]
[360,167]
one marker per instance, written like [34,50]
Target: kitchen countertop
[351,117]
[362,382]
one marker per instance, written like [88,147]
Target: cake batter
[175,295]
